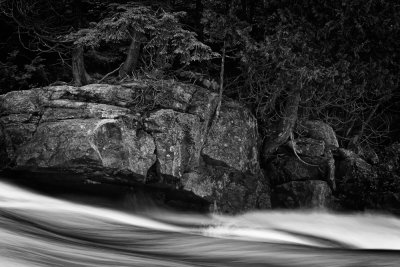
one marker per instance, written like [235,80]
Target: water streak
[36,230]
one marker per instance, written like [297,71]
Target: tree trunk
[221,81]
[252,10]
[81,77]
[79,18]
[198,16]
[244,9]
[227,4]
[132,58]
[285,126]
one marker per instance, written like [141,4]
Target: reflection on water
[36,230]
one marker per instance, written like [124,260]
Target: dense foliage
[342,57]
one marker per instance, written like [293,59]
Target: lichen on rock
[232,140]
[156,133]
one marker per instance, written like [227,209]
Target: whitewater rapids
[37,230]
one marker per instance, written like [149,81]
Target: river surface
[38,230]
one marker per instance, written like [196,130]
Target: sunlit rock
[203,104]
[172,95]
[232,140]
[178,141]
[90,145]
[162,134]
[19,102]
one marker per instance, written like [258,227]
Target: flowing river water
[38,230]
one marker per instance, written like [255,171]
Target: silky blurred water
[36,230]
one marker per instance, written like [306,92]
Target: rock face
[88,145]
[152,133]
[309,147]
[229,174]
[302,194]
[178,141]
[299,185]
[352,164]
[228,188]
[356,180]
[232,140]
[303,173]
[288,168]
[320,131]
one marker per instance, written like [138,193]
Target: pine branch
[110,73]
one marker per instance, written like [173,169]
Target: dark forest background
[332,60]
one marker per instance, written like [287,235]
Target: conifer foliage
[155,32]
[335,61]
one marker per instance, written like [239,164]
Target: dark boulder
[302,173]
[287,168]
[308,147]
[320,131]
[302,194]
[356,180]
[229,190]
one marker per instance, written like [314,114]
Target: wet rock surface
[161,134]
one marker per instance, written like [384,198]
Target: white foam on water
[362,231]
[12,197]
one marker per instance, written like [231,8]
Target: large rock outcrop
[147,132]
